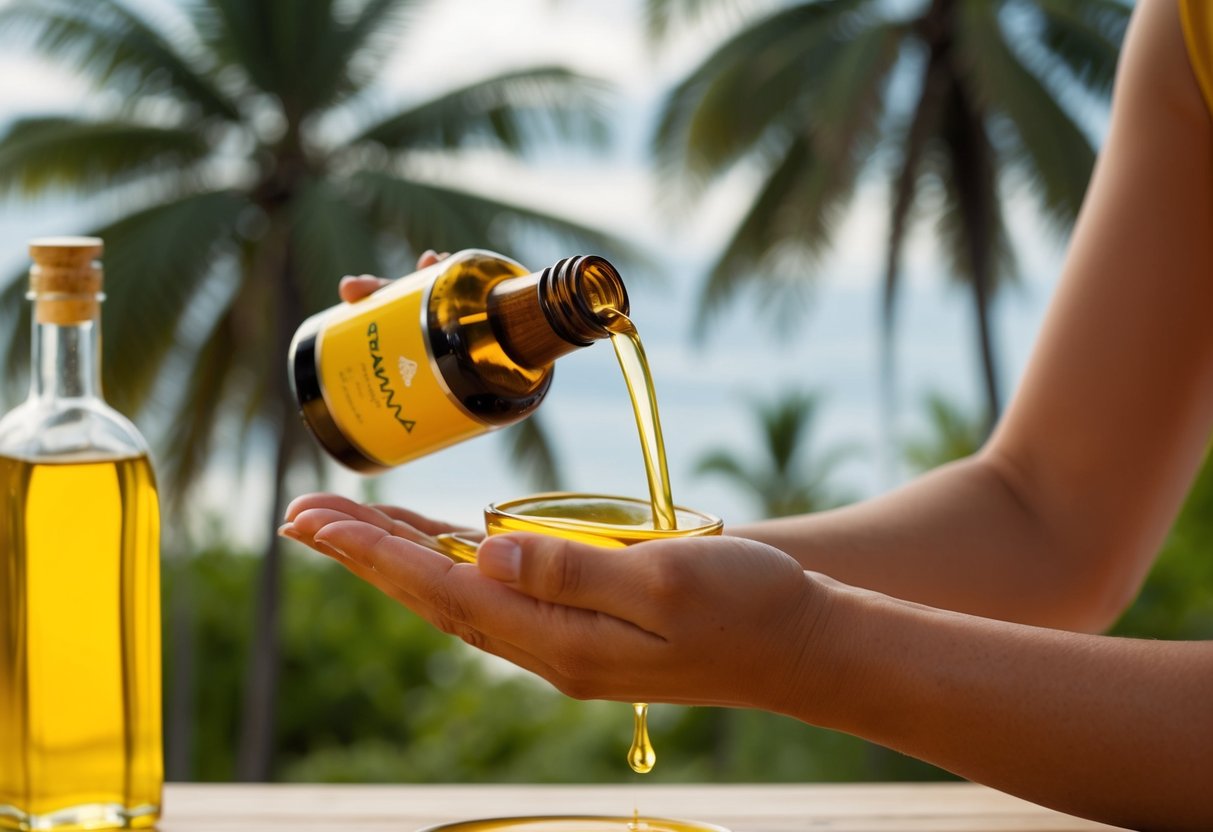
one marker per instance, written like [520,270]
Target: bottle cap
[65,280]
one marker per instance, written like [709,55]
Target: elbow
[1105,602]
[1098,611]
[1087,569]
[1097,588]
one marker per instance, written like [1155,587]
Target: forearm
[961,538]
[1114,729]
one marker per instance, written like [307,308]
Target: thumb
[566,572]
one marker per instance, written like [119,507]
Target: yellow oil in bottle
[80,733]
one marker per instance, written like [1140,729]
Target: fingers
[483,641]
[429,257]
[419,521]
[312,511]
[569,573]
[458,594]
[316,500]
[352,289]
[545,638]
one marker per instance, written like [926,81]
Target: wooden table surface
[886,807]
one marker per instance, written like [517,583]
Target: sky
[703,390]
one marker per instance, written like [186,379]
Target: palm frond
[427,215]
[14,334]
[726,464]
[286,49]
[1051,149]
[510,111]
[1085,36]
[114,47]
[786,423]
[826,464]
[156,260]
[330,237]
[752,85]
[531,451]
[60,151]
[952,434]
[772,247]
[790,480]
[791,221]
[367,41]
[192,427]
[660,15]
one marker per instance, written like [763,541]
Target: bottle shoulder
[85,429]
[466,344]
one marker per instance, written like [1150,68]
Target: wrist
[845,666]
[807,680]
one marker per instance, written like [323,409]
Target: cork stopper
[65,280]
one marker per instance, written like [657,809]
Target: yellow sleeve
[1197,18]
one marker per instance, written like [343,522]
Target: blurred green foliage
[371,693]
[374,694]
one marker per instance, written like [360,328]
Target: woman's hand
[353,288]
[706,621]
[399,521]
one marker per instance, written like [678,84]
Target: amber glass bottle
[80,744]
[449,352]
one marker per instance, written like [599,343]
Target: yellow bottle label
[379,381]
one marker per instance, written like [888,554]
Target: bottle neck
[545,315]
[66,360]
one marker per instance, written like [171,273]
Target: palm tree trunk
[255,761]
[977,191]
[922,126]
[255,758]
[989,367]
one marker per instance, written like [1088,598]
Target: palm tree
[785,478]
[803,95]
[247,165]
[953,434]
[789,478]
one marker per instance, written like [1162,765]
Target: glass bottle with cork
[80,724]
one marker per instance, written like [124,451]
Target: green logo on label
[385,386]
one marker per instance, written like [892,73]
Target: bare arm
[1113,729]
[1056,521]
